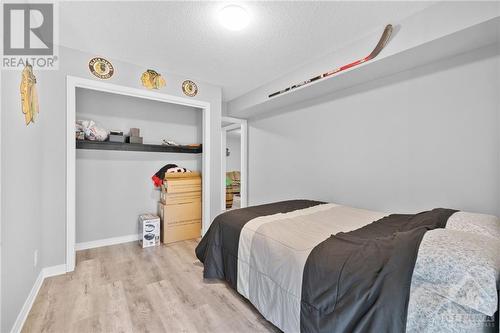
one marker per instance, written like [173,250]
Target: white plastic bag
[92,132]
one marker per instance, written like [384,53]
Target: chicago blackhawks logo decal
[189,88]
[101,68]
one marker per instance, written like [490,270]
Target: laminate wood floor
[124,288]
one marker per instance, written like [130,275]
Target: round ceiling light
[234,17]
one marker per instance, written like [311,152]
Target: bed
[310,266]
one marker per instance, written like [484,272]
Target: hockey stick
[380,45]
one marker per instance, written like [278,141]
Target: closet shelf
[106,145]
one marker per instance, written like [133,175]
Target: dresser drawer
[178,186]
[182,182]
[179,198]
[180,213]
[176,233]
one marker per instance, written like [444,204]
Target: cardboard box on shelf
[135,132]
[134,139]
[116,138]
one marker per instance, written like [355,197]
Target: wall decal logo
[101,68]
[29,96]
[189,88]
[151,79]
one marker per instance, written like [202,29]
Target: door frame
[72,83]
[243,125]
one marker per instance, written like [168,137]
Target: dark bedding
[360,281]
[357,281]
[218,250]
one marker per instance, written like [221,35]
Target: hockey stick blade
[384,39]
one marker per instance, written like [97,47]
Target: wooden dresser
[180,207]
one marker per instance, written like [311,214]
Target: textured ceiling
[186,38]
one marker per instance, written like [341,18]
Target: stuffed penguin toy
[169,168]
[177,169]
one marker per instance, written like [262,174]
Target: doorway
[234,154]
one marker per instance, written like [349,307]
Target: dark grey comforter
[360,281]
[357,281]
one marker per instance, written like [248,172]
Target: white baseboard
[54,270]
[25,310]
[106,242]
[23,314]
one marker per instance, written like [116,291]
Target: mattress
[262,251]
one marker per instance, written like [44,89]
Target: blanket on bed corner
[360,281]
[218,250]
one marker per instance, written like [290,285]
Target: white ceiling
[186,38]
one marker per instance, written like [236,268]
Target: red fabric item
[157,181]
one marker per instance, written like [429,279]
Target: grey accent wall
[423,138]
[34,169]
[114,187]
[21,153]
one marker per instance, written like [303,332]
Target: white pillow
[462,267]
[481,224]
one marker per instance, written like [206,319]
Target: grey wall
[233,142]
[423,138]
[21,153]
[34,168]
[113,188]
[75,63]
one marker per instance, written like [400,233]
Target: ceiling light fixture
[234,17]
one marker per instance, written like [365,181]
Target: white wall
[34,168]
[233,142]
[420,139]
[114,187]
